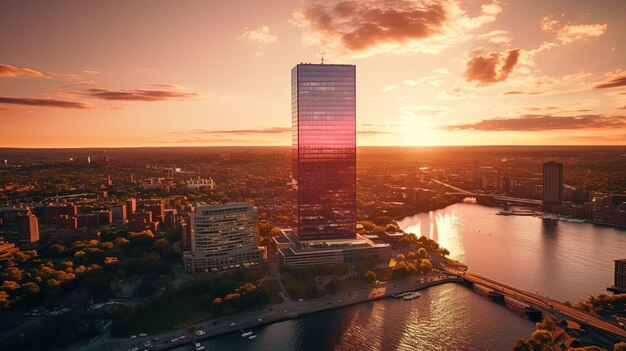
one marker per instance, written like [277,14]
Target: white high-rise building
[222,237]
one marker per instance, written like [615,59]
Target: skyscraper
[323,117]
[552,184]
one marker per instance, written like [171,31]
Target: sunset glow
[207,73]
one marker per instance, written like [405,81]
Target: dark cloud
[616,82]
[8,71]
[360,25]
[533,123]
[491,68]
[43,102]
[517,92]
[534,108]
[139,94]
[275,130]
[372,132]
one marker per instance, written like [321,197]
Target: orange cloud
[616,82]
[361,25]
[8,71]
[260,35]
[570,32]
[534,123]
[44,102]
[491,68]
[139,94]
[365,28]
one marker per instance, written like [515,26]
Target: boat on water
[550,217]
[518,213]
[411,296]
[246,334]
[198,346]
[252,337]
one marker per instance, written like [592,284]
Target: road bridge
[545,304]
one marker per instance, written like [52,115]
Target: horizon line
[289,146]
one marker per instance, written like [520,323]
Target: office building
[552,184]
[222,237]
[323,120]
[156,207]
[619,285]
[131,207]
[28,230]
[323,117]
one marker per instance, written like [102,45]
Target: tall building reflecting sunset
[323,117]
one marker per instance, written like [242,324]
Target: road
[546,304]
[272,314]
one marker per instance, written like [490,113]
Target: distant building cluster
[598,208]
[65,222]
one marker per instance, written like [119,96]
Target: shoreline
[320,308]
[272,314]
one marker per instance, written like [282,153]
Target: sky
[217,73]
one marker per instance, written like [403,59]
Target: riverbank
[275,313]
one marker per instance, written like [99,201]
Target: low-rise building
[297,253]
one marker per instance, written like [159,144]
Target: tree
[390,228]
[426,267]
[422,253]
[332,286]
[411,256]
[56,251]
[383,220]
[275,232]
[521,345]
[400,258]
[141,239]
[543,338]
[620,346]
[370,276]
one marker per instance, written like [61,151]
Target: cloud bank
[44,102]
[534,123]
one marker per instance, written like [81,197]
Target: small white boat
[246,334]
[252,337]
[411,296]
[198,346]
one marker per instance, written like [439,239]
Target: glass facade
[323,117]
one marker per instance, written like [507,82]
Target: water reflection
[557,258]
[447,317]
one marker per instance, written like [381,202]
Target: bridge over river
[544,304]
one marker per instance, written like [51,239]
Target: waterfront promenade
[246,320]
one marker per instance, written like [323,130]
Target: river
[567,261]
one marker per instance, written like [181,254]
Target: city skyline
[431,73]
